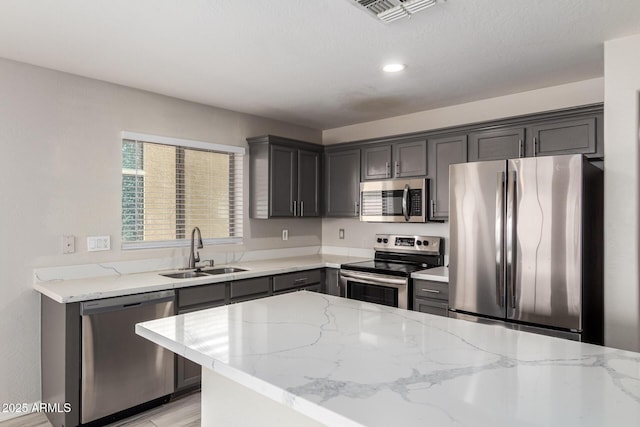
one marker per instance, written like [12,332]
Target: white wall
[547,99]
[361,235]
[622,187]
[60,174]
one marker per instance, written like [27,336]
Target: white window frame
[186,143]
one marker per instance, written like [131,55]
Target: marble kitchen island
[307,359]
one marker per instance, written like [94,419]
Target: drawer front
[244,288]
[198,295]
[431,307]
[310,288]
[296,280]
[429,289]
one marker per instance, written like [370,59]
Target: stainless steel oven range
[387,278]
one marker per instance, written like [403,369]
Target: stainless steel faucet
[193,255]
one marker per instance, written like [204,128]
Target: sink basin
[184,275]
[223,270]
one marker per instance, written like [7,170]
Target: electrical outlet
[341,233]
[98,243]
[68,244]
[285,234]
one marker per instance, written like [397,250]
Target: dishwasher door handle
[88,308]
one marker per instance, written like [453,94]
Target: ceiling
[318,63]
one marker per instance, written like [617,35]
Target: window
[170,186]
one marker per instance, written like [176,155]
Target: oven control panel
[400,243]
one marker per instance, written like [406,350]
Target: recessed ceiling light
[393,68]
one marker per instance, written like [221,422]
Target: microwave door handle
[405,200]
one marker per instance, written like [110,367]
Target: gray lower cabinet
[248,289]
[397,160]
[443,152]
[331,281]
[60,354]
[342,183]
[431,297]
[193,299]
[310,280]
[499,144]
[567,136]
[284,178]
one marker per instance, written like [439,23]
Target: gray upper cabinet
[376,162]
[284,178]
[394,160]
[568,136]
[283,162]
[342,183]
[499,144]
[443,152]
[309,183]
[410,159]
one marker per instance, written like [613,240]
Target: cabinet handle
[433,208]
[295,208]
[535,147]
[520,147]
[388,166]
[301,208]
[433,291]
[397,168]
[301,280]
[355,208]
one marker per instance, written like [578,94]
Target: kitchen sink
[185,275]
[203,273]
[223,270]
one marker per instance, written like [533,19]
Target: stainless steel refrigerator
[526,245]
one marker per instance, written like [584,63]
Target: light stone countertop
[347,362]
[68,291]
[438,274]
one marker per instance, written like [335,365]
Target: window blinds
[170,186]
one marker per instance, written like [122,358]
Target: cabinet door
[283,183]
[188,372]
[342,183]
[577,136]
[442,153]
[498,144]
[308,183]
[410,159]
[438,308]
[376,162]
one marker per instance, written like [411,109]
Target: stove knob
[419,243]
[385,241]
[425,242]
[379,240]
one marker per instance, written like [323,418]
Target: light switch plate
[98,243]
[285,234]
[341,233]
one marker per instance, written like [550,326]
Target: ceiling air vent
[390,10]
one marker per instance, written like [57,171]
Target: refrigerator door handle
[499,239]
[510,237]
[405,203]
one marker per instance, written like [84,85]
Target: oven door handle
[373,279]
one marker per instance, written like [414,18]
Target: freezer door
[544,240]
[476,224]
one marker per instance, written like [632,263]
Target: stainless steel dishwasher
[120,369]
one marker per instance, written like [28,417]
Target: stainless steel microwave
[395,200]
